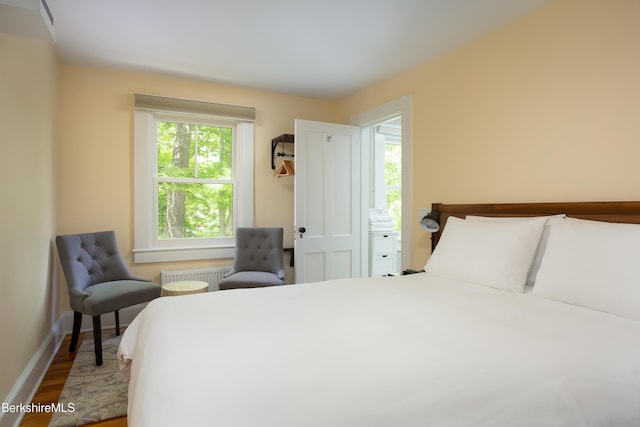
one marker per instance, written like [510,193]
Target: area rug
[96,392]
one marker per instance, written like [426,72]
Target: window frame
[147,246]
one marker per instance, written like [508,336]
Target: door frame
[397,107]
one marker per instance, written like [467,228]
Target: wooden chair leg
[97,339]
[75,334]
[117,313]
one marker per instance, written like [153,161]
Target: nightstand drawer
[384,243]
[382,265]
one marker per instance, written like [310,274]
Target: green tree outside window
[195,181]
[393,181]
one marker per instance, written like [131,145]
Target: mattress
[412,350]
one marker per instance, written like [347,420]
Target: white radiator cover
[211,275]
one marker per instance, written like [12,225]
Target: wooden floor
[52,385]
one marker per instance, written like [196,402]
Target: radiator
[211,275]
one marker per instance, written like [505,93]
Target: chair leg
[97,339]
[117,313]
[75,334]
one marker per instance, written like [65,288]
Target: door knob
[302,231]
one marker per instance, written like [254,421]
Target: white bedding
[399,351]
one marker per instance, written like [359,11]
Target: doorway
[387,130]
[352,260]
[385,204]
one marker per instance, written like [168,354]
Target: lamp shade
[430,222]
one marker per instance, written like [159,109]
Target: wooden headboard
[628,212]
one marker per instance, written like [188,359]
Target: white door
[327,201]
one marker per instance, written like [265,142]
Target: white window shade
[200,108]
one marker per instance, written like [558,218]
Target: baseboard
[25,388]
[108,321]
[27,384]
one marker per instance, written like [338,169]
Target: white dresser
[382,252]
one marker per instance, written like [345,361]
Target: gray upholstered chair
[99,282]
[258,260]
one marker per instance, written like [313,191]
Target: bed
[527,315]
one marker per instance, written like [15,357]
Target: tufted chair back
[259,249]
[99,282]
[91,258]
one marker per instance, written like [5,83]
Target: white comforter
[402,351]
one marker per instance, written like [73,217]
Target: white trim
[146,247]
[400,106]
[366,153]
[181,254]
[142,196]
[107,320]
[245,177]
[27,384]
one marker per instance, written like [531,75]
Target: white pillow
[593,264]
[531,278]
[495,254]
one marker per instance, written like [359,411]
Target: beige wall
[544,109]
[27,92]
[95,163]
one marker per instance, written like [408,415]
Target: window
[193,182]
[388,168]
[393,180]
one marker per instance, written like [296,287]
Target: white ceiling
[316,48]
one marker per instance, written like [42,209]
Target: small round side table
[184,288]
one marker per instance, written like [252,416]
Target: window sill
[141,256]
